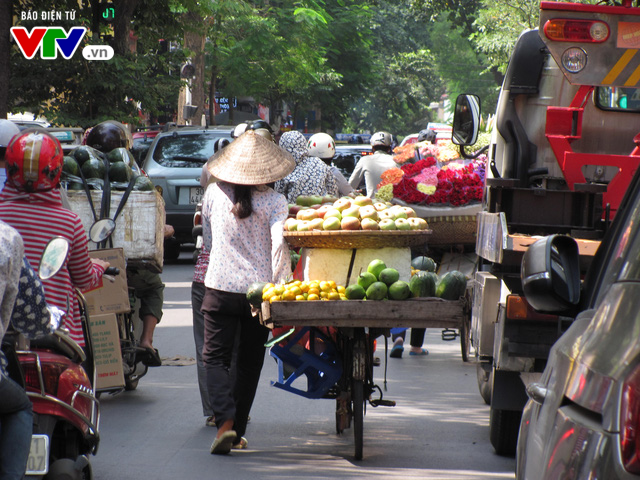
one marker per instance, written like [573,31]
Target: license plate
[195,195]
[38,462]
[63,136]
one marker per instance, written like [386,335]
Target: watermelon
[451,285]
[143,184]
[84,153]
[120,172]
[121,154]
[93,168]
[254,293]
[424,263]
[70,166]
[423,284]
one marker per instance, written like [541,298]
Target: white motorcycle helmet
[381,139]
[321,145]
[239,130]
[8,130]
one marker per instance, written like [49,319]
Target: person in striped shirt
[31,203]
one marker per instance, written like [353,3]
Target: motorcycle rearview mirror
[101,230]
[53,257]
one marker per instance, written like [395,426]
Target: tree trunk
[194,41]
[6,19]
[122,25]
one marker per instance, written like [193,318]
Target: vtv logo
[50,40]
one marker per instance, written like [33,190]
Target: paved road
[439,430]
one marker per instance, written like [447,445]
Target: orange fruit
[300,298]
[288,295]
[275,298]
[296,290]
[324,294]
[266,295]
[332,283]
[267,287]
[304,286]
[334,296]
[279,289]
[313,296]
[341,289]
[314,291]
[324,286]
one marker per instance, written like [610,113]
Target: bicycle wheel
[357,407]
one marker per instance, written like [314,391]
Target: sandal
[241,445]
[222,445]
[210,421]
[396,351]
[423,351]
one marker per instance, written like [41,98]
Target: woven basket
[358,238]
[453,230]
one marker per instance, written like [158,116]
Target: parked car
[70,138]
[348,155]
[582,419]
[174,165]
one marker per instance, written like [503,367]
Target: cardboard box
[139,227]
[112,294]
[106,351]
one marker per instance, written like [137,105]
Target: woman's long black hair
[242,201]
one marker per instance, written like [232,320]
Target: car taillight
[571,30]
[197,219]
[630,423]
[519,309]
[50,374]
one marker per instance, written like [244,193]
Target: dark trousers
[417,336]
[226,314]
[16,426]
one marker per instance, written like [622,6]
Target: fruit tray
[428,312]
[358,238]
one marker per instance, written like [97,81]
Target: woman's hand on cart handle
[112,271]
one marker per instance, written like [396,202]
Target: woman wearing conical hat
[242,223]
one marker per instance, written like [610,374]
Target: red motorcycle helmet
[34,161]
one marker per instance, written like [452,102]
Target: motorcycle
[59,378]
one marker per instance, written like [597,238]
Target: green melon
[254,293]
[424,263]
[93,168]
[388,276]
[354,292]
[423,284]
[451,285]
[399,290]
[120,172]
[377,291]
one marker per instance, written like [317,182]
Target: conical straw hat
[251,160]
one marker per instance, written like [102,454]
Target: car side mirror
[550,274]
[466,120]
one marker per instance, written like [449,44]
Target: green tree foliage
[78,92]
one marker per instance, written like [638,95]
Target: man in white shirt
[371,167]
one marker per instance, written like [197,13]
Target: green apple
[361,201]
[418,223]
[369,211]
[369,224]
[316,224]
[409,211]
[350,223]
[387,224]
[352,211]
[331,223]
[402,224]
[303,226]
[342,203]
[332,212]
[291,224]
[386,214]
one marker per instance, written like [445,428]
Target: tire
[465,338]
[64,469]
[131,382]
[485,381]
[357,400]
[503,430]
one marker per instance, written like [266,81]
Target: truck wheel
[503,430]
[484,381]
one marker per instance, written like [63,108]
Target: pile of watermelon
[426,283]
[91,164]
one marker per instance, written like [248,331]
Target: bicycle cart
[330,343]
